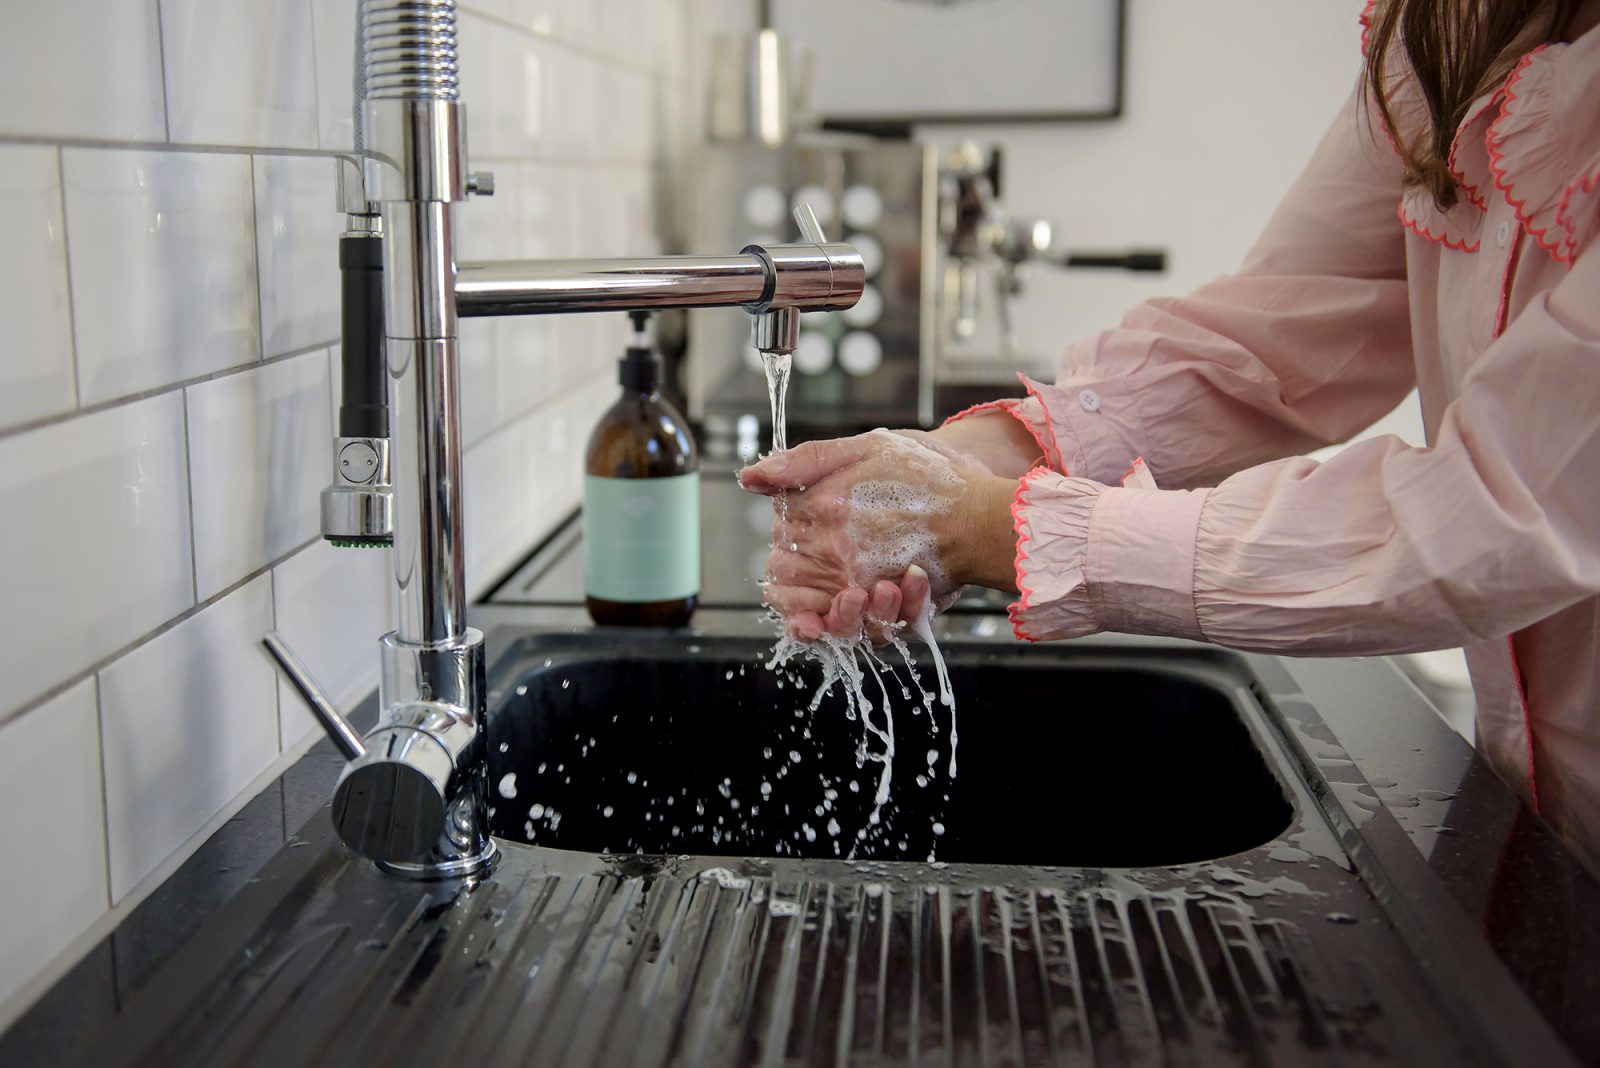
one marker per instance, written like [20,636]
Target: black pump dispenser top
[640,367]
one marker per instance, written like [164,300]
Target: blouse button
[1503,234]
[1089,400]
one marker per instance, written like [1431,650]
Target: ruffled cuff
[1051,517]
[1094,558]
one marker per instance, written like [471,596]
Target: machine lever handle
[345,737]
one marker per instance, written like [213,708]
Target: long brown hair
[1456,50]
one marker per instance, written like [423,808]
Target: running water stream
[777,366]
[847,661]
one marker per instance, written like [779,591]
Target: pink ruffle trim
[1454,229]
[978,409]
[1472,172]
[1024,599]
[1052,452]
[1527,720]
[1553,197]
[1418,213]
[1053,597]
[1552,186]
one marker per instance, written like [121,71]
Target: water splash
[846,663]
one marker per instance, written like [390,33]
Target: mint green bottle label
[641,537]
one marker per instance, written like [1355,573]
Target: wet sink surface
[632,742]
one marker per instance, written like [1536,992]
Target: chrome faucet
[414,796]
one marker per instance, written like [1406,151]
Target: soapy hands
[878,525]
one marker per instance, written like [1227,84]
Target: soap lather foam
[888,519]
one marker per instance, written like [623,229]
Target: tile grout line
[277,684]
[105,793]
[161,59]
[255,264]
[188,472]
[193,147]
[157,391]
[66,263]
[106,661]
[201,148]
[316,81]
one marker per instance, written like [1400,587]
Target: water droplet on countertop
[508,784]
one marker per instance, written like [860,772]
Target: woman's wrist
[979,547]
[998,440]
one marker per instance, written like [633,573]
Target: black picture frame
[900,124]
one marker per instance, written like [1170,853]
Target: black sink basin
[625,742]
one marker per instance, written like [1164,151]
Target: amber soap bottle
[641,502]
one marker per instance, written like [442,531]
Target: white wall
[169,293]
[1223,104]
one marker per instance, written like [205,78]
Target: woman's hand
[876,526]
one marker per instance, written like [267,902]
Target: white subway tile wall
[187,720]
[96,541]
[51,757]
[83,68]
[36,377]
[240,72]
[258,459]
[332,605]
[168,275]
[161,251]
[295,227]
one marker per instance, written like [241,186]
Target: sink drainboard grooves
[715,968]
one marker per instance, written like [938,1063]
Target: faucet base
[416,800]
[479,864]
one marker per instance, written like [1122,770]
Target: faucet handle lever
[345,737]
[806,219]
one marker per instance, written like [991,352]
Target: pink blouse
[1489,537]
